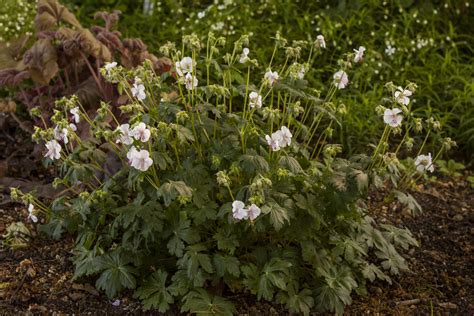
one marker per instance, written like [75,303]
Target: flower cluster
[424,162]
[138,89]
[340,79]
[255,100]
[184,69]
[239,212]
[139,159]
[279,139]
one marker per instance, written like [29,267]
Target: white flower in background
[201,14]
[141,133]
[54,150]
[340,79]
[109,66]
[271,76]
[244,56]
[185,66]
[61,134]
[300,74]
[285,137]
[126,135]
[390,50]
[141,160]
[73,127]
[275,140]
[402,96]
[190,81]
[253,212]
[255,100]
[424,162]
[131,153]
[320,42]
[75,115]
[238,210]
[138,90]
[359,54]
[31,216]
[392,117]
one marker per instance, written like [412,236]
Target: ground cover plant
[219,177]
[405,40]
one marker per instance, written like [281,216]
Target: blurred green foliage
[427,42]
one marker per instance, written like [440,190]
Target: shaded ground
[38,279]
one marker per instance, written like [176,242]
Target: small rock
[457,218]
[448,305]
[75,296]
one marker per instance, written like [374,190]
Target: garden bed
[440,279]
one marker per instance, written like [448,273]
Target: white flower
[390,50]
[320,42]
[138,90]
[125,134]
[402,96]
[61,134]
[424,162]
[340,79]
[271,76]
[32,217]
[141,133]
[54,150]
[109,66]
[392,117]
[244,56]
[190,81]
[255,100]
[253,212]
[131,153]
[141,160]
[201,14]
[275,140]
[359,54]
[73,127]
[285,137]
[75,114]
[300,74]
[185,66]
[238,210]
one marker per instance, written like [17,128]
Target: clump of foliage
[224,180]
[63,58]
[16,18]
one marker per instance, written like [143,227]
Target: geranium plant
[220,177]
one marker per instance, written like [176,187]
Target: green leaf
[181,232]
[172,189]
[154,294]
[409,201]
[201,302]
[291,163]
[86,262]
[117,274]
[264,282]
[226,264]
[253,163]
[193,260]
[226,240]
[278,215]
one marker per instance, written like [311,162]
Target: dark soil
[38,279]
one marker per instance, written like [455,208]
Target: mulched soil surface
[38,279]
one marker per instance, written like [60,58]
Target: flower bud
[223,178]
